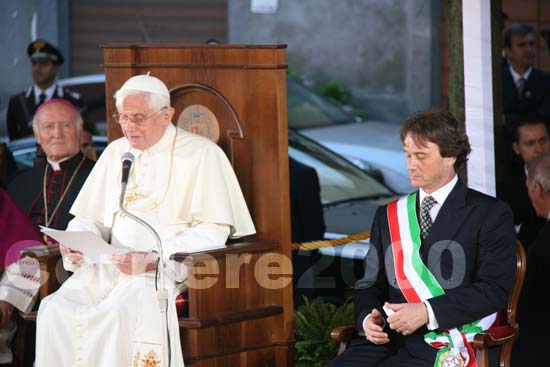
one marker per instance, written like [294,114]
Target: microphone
[162,294]
[127,161]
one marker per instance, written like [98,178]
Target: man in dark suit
[533,311]
[306,221]
[8,166]
[306,209]
[530,139]
[46,61]
[525,90]
[440,258]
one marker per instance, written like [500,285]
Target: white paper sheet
[91,245]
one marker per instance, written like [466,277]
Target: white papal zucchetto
[146,83]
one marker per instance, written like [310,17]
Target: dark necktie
[41,99]
[425,219]
[521,86]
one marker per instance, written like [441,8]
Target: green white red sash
[418,284]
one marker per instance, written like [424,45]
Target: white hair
[539,173]
[79,119]
[154,101]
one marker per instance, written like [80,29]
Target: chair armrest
[42,252]
[47,257]
[495,336]
[344,334]
[234,248]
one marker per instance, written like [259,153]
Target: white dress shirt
[516,76]
[48,92]
[440,195]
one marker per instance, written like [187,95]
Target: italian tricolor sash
[418,284]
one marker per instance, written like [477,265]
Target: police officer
[46,60]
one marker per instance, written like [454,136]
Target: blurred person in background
[7,165]
[530,138]
[525,89]
[530,348]
[86,141]
[46,61]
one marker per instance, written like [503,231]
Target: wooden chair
[502,335]
[235,95]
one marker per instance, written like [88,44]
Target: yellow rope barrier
[313,245]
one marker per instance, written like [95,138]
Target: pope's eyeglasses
[137,120]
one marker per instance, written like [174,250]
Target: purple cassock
[17,232]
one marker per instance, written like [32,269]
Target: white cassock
[186,189]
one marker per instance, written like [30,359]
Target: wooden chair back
[236,96]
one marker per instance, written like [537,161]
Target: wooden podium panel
[235,95]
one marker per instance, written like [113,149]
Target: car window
[307,109]
[92,91]
[24,151]
[340,180]
[94,96]
[24,157]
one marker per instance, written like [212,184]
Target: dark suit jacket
[532,317]
[514,192]
[306,210]
[27,187]
[307,222]
[8,167]
[535,99]
[536,277]
[478,231]
[21,109]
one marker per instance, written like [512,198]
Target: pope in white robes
[183,185]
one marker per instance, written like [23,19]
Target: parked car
[349,195]
[92,90]
[373,146]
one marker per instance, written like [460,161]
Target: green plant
[340,95]
[314,322]
[293,73]
[335,91]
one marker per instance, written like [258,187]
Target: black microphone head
[127,161]
[128,156]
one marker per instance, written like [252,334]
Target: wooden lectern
[240,297]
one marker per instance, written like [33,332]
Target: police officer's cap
[43,50]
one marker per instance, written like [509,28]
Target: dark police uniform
[22,106]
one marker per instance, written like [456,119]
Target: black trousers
[365,354]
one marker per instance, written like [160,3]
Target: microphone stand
[162,293]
